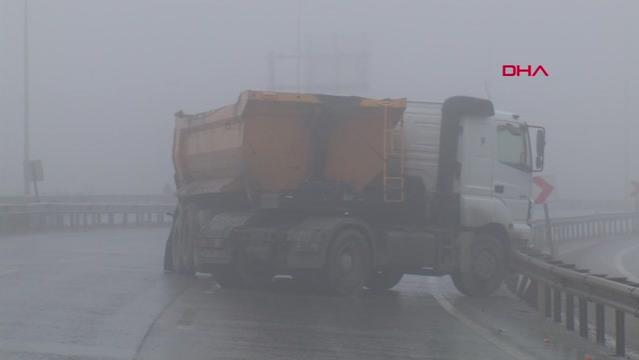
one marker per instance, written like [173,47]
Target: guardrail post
[556,306]
[600,324]
[583,317]
[620,333]
[547,301]
[570,312]
[111,219]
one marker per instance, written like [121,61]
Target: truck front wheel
[347,265]
[486,270]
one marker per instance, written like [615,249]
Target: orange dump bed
[271,142]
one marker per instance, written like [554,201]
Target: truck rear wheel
[383,279]
[168,246]
[347,265]
[487,268]
[168,253]
[181,252]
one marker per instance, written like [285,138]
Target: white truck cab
[477,166]
[494,164]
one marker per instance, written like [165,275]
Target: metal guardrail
[552,286]
[91,199]
[584,228]
[78,216]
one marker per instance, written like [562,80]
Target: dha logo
[517,70]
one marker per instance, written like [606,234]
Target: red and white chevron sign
[545,189]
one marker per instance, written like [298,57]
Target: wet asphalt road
[102,295]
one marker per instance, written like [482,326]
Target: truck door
[512,171]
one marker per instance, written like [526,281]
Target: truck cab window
[512,147]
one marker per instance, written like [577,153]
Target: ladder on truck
[393,173]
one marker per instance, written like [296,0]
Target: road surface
[103,295]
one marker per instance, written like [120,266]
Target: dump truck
[346,193]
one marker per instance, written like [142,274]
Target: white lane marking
[482,331]
[621,267]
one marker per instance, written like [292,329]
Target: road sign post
[34,172]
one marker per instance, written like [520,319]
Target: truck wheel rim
[346,262]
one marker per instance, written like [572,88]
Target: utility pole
[27,148]
[298,64]
[340,71]
[625,44]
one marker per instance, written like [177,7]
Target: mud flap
[168,246]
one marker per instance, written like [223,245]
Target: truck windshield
[512,146]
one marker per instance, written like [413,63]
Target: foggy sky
[107,76]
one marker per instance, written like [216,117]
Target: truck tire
[383,279]
[487,268]
[253,273]
[189,229]
[182,253]
[168,246]
[168,254]
[347,264]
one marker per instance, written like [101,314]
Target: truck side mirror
[541,145]
[541,141]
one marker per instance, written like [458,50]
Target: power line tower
[340,68]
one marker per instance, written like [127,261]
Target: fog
[107,76]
